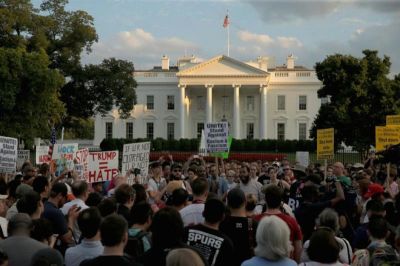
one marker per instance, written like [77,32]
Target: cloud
[141,47]
[265,40]
[247,36]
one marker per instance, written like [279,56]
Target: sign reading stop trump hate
[42,155]
[8,155]
[81,158]
[102,166]
[386,137]
[325,144]
[136,155]
[216,137]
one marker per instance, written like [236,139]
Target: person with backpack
[139,240]
[378,251]
[238,227]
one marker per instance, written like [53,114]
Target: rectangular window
[250,103]
[150,130]
[281,103]
[225,103]
[150,102]
[201,103]
[170,131]
[109,130]
[302,131]
[281,131]
[302,102]
[250,130]
[171,102]
[200,128]
[129,130]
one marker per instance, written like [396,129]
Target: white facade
[257,102]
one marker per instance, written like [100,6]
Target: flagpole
[228,37]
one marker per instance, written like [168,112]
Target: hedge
[238,145]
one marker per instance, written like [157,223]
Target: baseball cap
[374,189]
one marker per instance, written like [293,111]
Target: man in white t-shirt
[156,183]
[193,214]
[249,185]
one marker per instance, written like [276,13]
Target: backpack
[377,256]
[135,247]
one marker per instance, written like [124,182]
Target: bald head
[338,169]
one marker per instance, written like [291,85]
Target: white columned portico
[182,110]
[263,111]
[236,112]
[209,103]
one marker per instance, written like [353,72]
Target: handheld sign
[23,156]
[8,155]
[136,155]
[392,120]
[102,166]
[216,137]
[386,137]
[42,155]
[325,144]
[81,158]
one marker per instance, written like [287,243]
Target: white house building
[258,102]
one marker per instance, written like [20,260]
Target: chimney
[262,63]
[290,62]
[165,63]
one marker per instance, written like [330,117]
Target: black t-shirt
[242,232]
[263,179]
[109,260]
[306,214]
[215,246]
[295,197]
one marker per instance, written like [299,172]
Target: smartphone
[79,208]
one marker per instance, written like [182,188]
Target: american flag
[53,138]
[226,21]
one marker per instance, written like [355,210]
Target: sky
[142,31]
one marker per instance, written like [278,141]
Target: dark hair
[310,192]
[28,203]
[375,206]
[193,169]
[200,186]
[44,168]
[323,246]
[140,213]
[107,206]
[79,188]
[89,222]
[273,196]
[112,230]
[3,186]
[3,256]
[236,198]
[167,228]
[179,196]
[42,229]
[40,183]
[58,188]
[377,227]
[214,211]
[124,193]
[93,199]
[141,194]
[12,188]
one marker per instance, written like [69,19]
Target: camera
[136,171]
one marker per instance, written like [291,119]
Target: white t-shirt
[192,214]
[4,225]
[253,187]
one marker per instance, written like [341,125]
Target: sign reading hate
[81,158]
[136,155]
[325,144]
[8,155]
[217,137]
[102,166]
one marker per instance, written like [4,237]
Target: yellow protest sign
[386,136]
[392,120]
[325,143]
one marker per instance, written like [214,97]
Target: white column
[209,103]
[182,110]
[236,112]
[263,111]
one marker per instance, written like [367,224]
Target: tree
[57,38]
[361,95]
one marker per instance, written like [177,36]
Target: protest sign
[102,166]
[136,155]
[216,137]
[392,120]
[325,144]
[63,156]
[81,163]
[8,155]
[224,155]
[23,156]
[303,158]
[42,155]
[386,136]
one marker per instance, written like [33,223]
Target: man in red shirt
[273,198]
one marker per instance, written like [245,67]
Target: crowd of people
[199,213]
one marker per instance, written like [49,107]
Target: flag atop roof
[226,21]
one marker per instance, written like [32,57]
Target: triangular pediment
[222,66]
